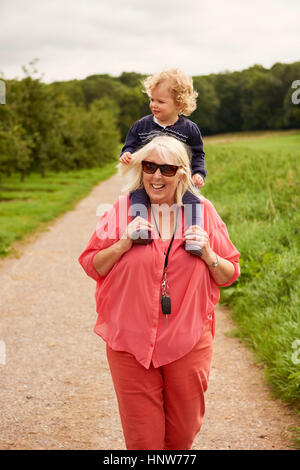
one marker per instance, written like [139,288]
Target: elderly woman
[156,301]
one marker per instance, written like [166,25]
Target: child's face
[162,104]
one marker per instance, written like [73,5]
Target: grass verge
[29,206]
[255,186]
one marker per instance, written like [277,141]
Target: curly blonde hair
[180,86]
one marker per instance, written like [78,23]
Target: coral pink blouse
[128,297]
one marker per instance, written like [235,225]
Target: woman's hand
[195,235]
[105,259]
[135,225]
[224,270]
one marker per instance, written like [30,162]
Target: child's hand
[126,158]
[198,180]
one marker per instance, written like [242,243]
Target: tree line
[80,123]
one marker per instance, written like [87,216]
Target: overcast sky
[77,38]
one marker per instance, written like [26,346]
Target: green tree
[133,105]
[15,144]
[15,151]
[288,74]
[132,79]
[262,100]
[32,102]
[229,89]
[96,87]
[208,103]
[104,136]
[72,89]
[291,109]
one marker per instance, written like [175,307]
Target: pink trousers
[162,408]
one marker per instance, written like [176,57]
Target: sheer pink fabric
[128,297]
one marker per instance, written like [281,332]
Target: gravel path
[56,391]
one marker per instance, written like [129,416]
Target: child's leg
[193,216]
[138,207]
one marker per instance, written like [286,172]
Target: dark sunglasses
[165,169]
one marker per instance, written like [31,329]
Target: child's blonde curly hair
[180,85]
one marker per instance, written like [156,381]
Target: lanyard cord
[170,244]
[165,299]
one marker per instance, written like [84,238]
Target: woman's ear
[181,173]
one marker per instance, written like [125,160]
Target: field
[255,185]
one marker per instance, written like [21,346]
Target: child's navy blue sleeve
[132,140]
[198,156]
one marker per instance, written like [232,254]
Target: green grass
[255,186]
[26,207]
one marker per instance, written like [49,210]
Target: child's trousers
[162,408]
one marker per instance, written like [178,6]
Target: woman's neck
[164,218]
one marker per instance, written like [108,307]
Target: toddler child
[171,96]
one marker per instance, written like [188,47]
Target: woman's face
[161,189]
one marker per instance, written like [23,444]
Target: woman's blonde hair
[172,151]
[180,86]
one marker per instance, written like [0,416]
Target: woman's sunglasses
[165,169]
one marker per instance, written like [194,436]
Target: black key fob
[166,305]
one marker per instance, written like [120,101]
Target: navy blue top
[184,129]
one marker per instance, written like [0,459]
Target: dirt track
[56,391]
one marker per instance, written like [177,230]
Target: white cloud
[76,38]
